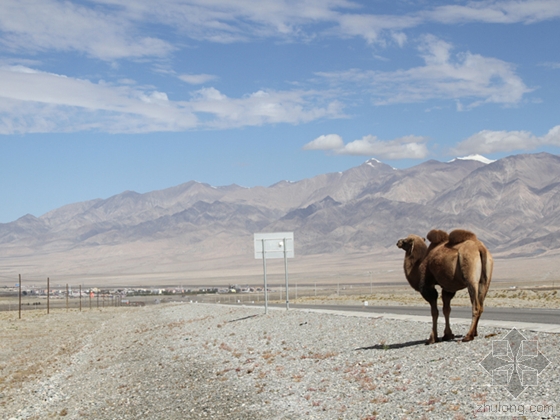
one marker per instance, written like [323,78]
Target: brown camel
[454,262]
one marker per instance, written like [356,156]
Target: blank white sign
[274,245]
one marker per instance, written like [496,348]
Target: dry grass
[510,298]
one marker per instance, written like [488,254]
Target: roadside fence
[24,297]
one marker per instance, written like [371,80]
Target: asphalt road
[525,315]
[530,315]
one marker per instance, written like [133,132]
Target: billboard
[274,245]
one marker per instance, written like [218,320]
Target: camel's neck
[412,272]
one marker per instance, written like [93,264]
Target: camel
[454,262]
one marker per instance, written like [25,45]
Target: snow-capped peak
[372,162]
[478,158]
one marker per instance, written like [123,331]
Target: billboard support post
[265,285]
[286,275]
[274,245]
[19,293]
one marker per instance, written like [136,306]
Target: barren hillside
[512,204]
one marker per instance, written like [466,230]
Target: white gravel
[183,361]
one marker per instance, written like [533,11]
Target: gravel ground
[191,361]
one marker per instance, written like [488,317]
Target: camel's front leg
[446,297]
[477,310]
[431,295]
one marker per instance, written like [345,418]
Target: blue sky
[102,96]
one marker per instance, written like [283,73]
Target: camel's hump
[436,236]
[460,235]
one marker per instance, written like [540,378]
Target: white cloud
[400,38]
[116,29]
[34,101]
[197,79]
[112,29]
[375,28]
[551,65]
[488,141]
[325,142]
[43,25]
[444,76]
[407,147]
[264,107]
[227,21]
[508,11]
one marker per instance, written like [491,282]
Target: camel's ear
[424,239]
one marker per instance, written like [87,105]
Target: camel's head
[414,246]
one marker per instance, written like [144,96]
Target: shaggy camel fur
[454,262]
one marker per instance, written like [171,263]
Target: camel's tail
[486,274]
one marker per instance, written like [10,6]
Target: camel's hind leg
[470,263]
[431,295]
[479,303]
[484,284]
[446,297]
[477,309]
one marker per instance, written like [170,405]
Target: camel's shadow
[406,344]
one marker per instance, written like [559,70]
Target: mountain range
[512,204]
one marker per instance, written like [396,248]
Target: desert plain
[186,360]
